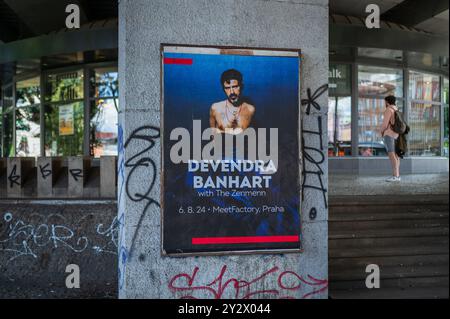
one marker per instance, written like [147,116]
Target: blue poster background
[270,84]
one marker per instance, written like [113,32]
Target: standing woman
[389,137]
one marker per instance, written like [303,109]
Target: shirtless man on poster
[233,115]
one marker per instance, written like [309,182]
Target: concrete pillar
[78,168]
[143,27]
[47,172]
[3,177]
[108,176]
[18,170]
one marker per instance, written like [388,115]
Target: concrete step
[390,232]
[400,283]
[383,214]
[406,236]
[389,272]
[393,293]
[386,261]
[337,226]
[384,200]
[390,209]
[398,246]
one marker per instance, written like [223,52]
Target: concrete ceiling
[357,8]
[21,19]
[42,16]
[428,15]
[438,24]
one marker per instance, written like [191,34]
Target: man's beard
[237,100]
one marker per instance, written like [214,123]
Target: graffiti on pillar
[76,173]
[44,171]
[313,155]
[13,177]
[141,160]
[313,213]
[273,283]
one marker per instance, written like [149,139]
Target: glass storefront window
[28,131]
[64,114]
[446,119]
[64,129]
[370,112]
[63,107]
[381,53]
[28,128]
[421,60]
[339,80]
[380,81]
[28,92]
[339,126]
[424,87]
[104,127]
[1,129]
[104,90]
[66,86]
[374,84]
[424,138]
[370,119]
[8,132]
[7,121]
[104,83]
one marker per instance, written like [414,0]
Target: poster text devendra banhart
[226,166]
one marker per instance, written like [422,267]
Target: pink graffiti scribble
[245,289]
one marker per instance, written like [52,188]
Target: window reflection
[424,138]
[7,119]
[105,83]
[28,131]
[8,133]
[374,84]
[66,86]
[381,53]
[446,119]
[64,115]
[28,127]
[424,87]
[64,125]
[370,111]
[103,127]
[380,81]
[339,126]
[28,92]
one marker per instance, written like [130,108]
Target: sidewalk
[343,184]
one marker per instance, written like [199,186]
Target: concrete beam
[42,16]
[357,36]
[412,12]
[60,43]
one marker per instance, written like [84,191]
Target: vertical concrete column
[18,170]
[108,176]
[47,172]
[143,26]
[3,178]
[78,168]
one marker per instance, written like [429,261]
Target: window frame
[439,103]
[42,73]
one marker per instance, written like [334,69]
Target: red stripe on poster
[179,61]
[244,240]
